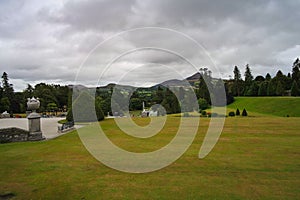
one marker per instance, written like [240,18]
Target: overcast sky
[47,41]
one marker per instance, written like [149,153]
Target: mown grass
[255,158]
[276,106]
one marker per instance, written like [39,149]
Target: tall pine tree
[7,90]
[237,84]
[248,79]
[296,71]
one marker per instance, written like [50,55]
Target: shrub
[203,113]
[244,113]
[237,113]
[231,114]
[202,104]
[69,115]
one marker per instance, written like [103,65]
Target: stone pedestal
[34,126]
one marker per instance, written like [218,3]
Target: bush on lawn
[237,113]
[244,113]
[231,114]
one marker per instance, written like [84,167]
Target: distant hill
[168,83]
[194,77]
[277,106]
[175,82]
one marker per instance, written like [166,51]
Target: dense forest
[55,98]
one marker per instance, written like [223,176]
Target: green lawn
[277,106]
[255,158]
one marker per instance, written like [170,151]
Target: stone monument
[34,120]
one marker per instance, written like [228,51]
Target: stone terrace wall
[13,135]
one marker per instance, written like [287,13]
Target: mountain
[175,82]
[194,77]
[172,82]
[169,83]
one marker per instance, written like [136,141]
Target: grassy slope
[255,158]
[277,106]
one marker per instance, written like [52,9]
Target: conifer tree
[237,112]
[244,113]
[295,89]
[237,84]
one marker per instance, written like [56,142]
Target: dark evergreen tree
[237,112]
[18,103]
[253,90]
[69,116]
[279,89]
[268,77]
[259,78]
[296,71]
[8,91]
[99,112]
[295,89]
[170,102]
[263,87]
[248,79]
[244,113]
[28,92]
[135,103]
[297,62]
[1,91]
[61,96]
[4,104]
[229,95]
[237,82]
[287,82]
[271,91]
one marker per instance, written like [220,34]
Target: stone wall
[13,135]
[19,135]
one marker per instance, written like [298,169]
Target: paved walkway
[48,125]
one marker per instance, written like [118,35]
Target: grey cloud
[48,40]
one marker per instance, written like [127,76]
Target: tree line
[53,98]
[208,90]
[279,85]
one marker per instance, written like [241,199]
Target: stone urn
[34,120]
[33,104]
